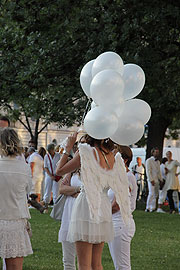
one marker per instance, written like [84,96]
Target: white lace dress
[91,219]
[14,239]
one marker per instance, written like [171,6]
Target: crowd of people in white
[101,194]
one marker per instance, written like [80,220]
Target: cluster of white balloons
[112,86]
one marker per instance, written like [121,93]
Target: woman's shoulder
[23,165]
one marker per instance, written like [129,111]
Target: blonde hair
[10,145]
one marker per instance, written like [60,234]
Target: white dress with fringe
[15,241]
[91,219]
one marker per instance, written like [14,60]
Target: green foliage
[39,68]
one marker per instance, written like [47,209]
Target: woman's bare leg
[84,254]
[14,263]
[96,256]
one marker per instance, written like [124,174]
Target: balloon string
[86,109]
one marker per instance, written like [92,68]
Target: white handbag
[58,208]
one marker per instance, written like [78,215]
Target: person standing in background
[172,179]
[139,172]
[36,162]
[4,122]
[163,189]
[30,151]
[123,234]
[50,162]
[32,143]
[153,177]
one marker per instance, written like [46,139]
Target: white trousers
[120,247]
[50,185]
[153,194]
[162,195]
[69,255]
[4,264]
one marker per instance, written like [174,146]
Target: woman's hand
[71,141]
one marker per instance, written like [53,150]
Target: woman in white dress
[172,180]
[36,162]
[91,220]
[120,246]
[15,183]
[70,186]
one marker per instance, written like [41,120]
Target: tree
[39,64]
[148,34]
[153,38]
[54,39]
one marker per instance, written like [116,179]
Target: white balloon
[100,124]
[86,77]
[128,132]
[119,108]
[107,88]
[108,60]
[134,80]
[93,105]
[137,108]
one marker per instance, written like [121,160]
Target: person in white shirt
[50,163]
[70,186]
[30,151]
[139,172]
[172,179]
[163,189]
[153,177]
[36,162]
[123,234]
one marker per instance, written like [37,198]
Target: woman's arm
[177,164]
[64,166]
[32,167]
[66,188]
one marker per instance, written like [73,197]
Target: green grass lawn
[156,244]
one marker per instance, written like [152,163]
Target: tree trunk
[36,133]
[35,139]
[156,133]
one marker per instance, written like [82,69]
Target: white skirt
[14,239]
[83,228]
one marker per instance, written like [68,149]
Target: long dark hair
[42,152]
[106,143]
